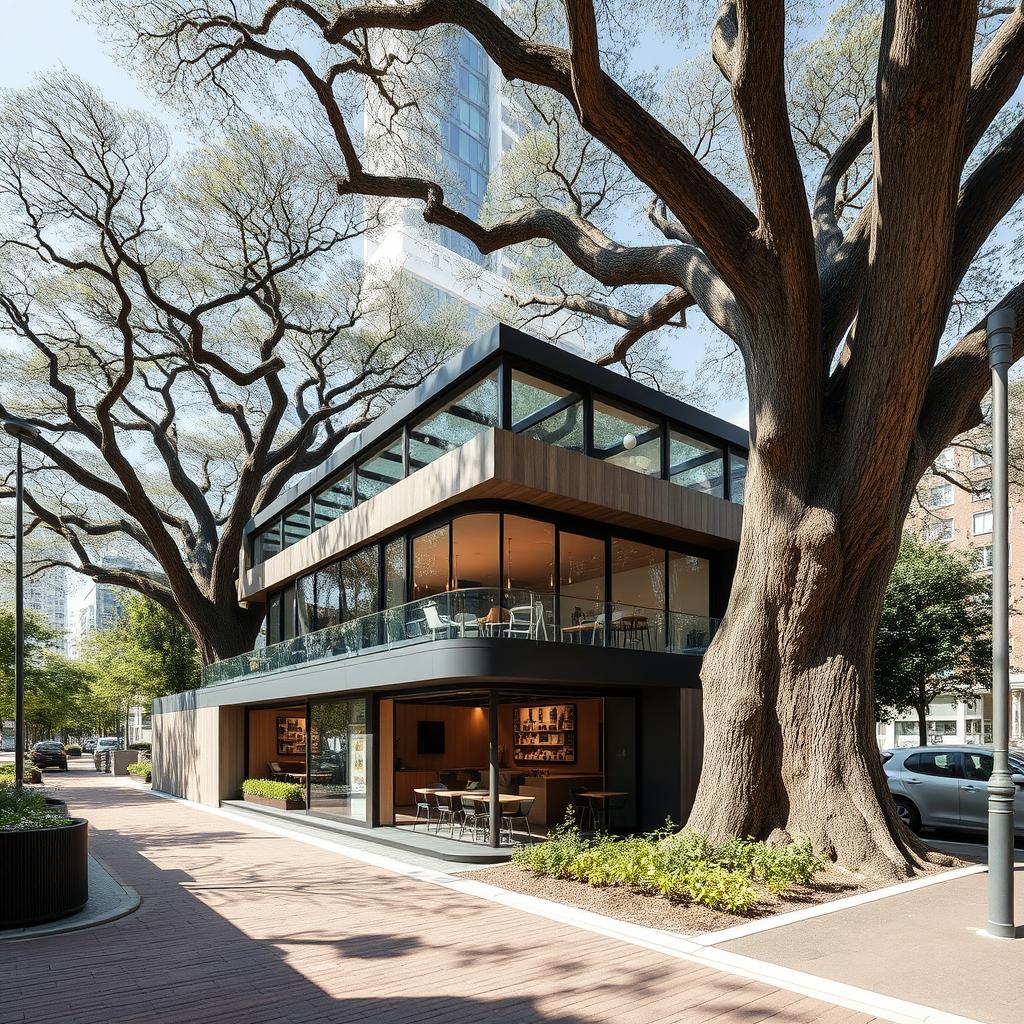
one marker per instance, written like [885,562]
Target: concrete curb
[696,949]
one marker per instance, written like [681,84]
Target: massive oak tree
[837,297]
[188,333]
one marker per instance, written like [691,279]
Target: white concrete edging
[696,949]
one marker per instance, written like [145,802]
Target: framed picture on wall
[291,736]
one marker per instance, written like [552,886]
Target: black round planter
[44,873]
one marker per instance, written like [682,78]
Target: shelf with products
[544,733]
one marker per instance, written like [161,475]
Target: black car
[49,754]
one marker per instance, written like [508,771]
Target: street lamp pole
[19,429]
[1001,788]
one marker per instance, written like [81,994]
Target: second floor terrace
[479,613]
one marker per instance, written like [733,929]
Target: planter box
[148,777]
[284,805]
[44,873]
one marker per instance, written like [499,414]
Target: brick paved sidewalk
[240,926]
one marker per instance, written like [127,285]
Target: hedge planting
[142,768]
[271,789]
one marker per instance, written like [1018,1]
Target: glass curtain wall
[688,590]
[638,595]
[457,422]
[328,597]
[358,577]
[546,412]
[581,587]
[296,525]
[737,477]
[380,471]
[268,542]
[476,541]
[529,578]
[626,439]
[332,501]
[696,464]
[340,759]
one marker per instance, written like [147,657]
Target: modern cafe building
[508,581]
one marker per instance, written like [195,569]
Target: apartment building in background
[478,124]
[46,595]
[954,506]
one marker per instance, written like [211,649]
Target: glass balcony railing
[480,613]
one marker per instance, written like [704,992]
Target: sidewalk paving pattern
[922,946]
[240,926]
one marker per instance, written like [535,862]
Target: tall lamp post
[19,429]
[1001,788]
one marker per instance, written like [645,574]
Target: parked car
[49,754]
[947,786]
[104,745]
[89,746]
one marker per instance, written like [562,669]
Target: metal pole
[19,630]
[494,818]
[1001,789]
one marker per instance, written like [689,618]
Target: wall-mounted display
[291,736]
[544,733]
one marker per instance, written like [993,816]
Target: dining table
[602,796]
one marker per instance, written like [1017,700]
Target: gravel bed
[658,912]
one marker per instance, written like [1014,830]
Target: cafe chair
[438,623]
[426,803]
[518,813]
[446,812]
[470,817]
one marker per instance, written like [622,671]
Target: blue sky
[39,35]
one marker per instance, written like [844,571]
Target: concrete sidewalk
[923,946]
[238,925]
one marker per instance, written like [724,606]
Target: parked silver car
[947,786]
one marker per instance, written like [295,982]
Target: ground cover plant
[680,866]
[273,790]
[20,812]
[142,768]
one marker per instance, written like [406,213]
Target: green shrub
[73,750]
[272,790]
[680,866]
[142,768]
[20,812]
[141,746]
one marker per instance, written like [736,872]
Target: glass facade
[696,464]
[380,471]
[540,409]
[332,501]
[465,139]
[546,412]
[340,759]
[457,422]
[737,477]
[626,439]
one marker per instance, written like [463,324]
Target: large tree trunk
[223,631]
[790,747]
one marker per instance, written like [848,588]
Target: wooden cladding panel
[504,466]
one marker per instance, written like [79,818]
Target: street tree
[935,633]
[56,688]
[188,332]
[836,297]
